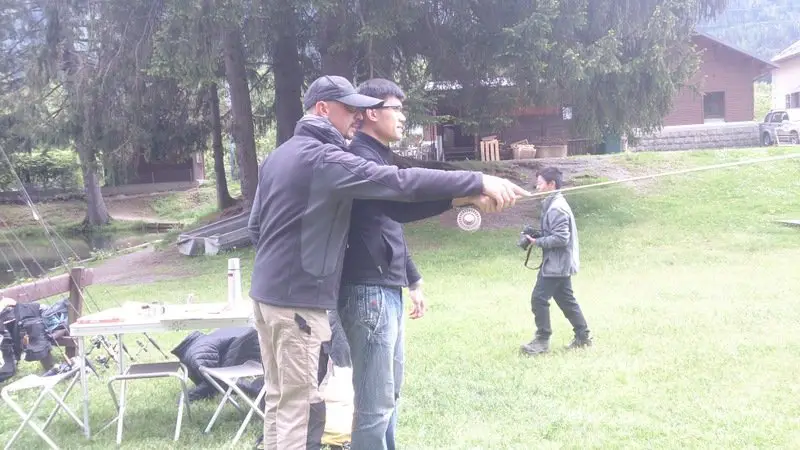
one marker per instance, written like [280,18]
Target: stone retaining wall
[691,137]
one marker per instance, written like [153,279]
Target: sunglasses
[397,108]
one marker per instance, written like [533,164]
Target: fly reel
[469,219]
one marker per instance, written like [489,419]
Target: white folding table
[132,318]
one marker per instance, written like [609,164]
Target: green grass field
[690,288]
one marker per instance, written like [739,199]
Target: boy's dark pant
[560,289]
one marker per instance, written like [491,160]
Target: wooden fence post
[76,280]
[76,293]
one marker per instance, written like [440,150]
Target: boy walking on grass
[560,260]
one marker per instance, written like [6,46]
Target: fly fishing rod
[469,217]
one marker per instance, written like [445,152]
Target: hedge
[55,169]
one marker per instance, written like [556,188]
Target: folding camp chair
[142,371]
[47,385]
[229,376]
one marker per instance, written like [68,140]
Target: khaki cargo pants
[291,344]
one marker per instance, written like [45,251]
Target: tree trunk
[288,77]
[335,61]
[242,109]
[377,60]
[224,199]
[96,211]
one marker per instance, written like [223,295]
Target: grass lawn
[692,293]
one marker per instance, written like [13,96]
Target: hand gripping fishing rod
[469,217]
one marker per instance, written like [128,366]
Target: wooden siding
[722,69]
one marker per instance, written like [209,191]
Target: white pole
[234,282]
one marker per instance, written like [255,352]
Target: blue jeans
[372,318]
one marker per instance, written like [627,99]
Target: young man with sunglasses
[299,224]
[377,266]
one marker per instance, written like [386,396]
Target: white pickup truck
[781,126]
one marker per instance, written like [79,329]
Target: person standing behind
[298,225]
[377,266]
[560,260]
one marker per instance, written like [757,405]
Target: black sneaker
[536,347]
[580,342]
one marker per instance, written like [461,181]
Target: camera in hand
[534,233]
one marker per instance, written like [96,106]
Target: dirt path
[132,208]
[142,266]
[123,208]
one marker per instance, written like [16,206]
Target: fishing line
[472,215]
[24,248]
[10,267]
[19,258]
[49,234]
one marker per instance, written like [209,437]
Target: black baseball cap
[333,87]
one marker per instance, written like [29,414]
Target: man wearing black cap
[299,224]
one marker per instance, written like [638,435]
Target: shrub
[55,169]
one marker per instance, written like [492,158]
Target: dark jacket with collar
[301,212]
[376,247]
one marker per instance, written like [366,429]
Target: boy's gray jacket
[560,251]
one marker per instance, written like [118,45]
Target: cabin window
[714,106]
